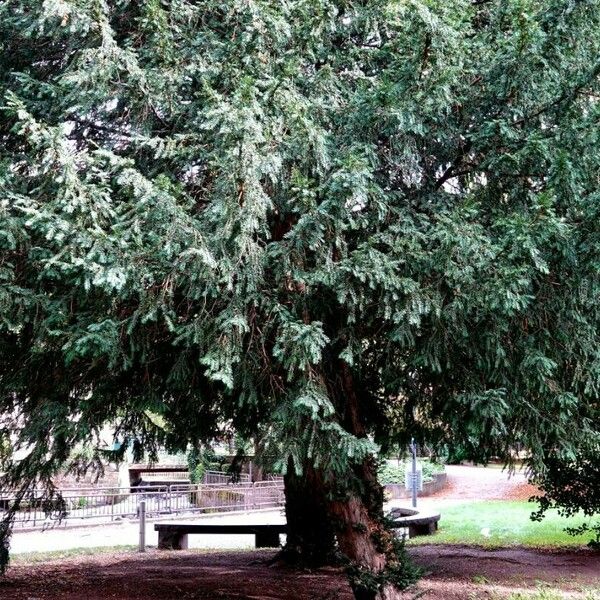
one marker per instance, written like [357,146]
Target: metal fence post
[413,448]
[142,509]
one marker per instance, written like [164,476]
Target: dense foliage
[5,450]
[311,221]
[570,483]
[388,472]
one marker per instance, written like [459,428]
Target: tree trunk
[311,537]
[378,566]
[363,538]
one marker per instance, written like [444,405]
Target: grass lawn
[543,593]
[502,523]
[30,558]
[27,558]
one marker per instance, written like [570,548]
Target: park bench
[417,522]
[174,536]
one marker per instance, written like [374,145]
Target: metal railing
[224,477]
[112,504]
[175,475]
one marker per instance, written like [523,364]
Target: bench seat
[174,536]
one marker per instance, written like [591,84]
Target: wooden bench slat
[215,528]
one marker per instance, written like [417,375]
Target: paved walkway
[472,484]
[126,533]
[479,483]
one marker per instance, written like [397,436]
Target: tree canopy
[330,224]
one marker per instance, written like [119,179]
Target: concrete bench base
[174,536]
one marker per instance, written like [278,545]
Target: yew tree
[328,224]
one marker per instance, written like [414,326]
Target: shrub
[199,461]
[389,473]
[5,450]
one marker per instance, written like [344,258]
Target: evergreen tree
[330,223]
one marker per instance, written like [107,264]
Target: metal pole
[142,509]
[413,448]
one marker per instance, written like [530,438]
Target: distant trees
[326,224]
[5,450]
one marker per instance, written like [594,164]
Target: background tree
[330,223]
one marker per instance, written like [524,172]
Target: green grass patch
[546,595]
[498,523]
[27,558]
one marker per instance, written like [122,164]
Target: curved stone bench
[417,522]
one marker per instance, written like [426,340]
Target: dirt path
[468,484]
[463,573]
[479,483]
[470,572]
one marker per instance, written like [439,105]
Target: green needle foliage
[571,484]
[324,223]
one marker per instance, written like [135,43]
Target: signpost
[413,479]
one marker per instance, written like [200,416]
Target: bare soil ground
[463,572]
[455,573]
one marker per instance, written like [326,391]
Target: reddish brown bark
[364,540]
[358,515]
